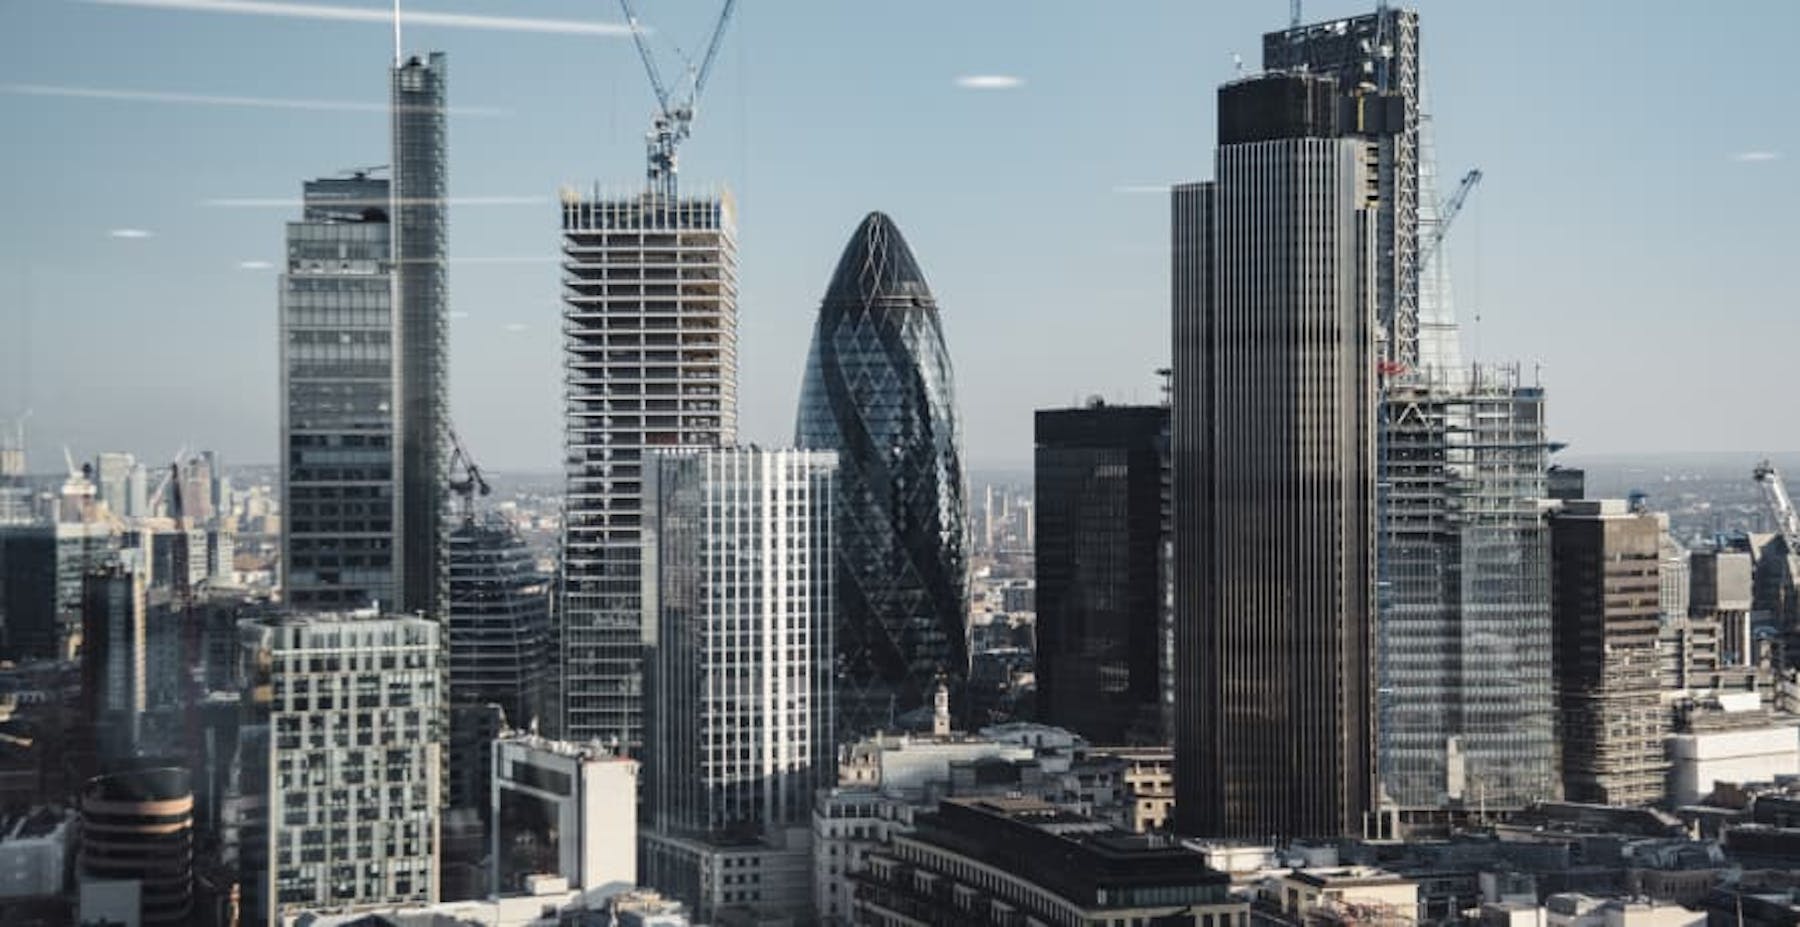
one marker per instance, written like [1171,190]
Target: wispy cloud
[459,314]
[255,265]
[1141,188]
[291,202]
[1744,157]
[376,15]
[990,82]
[129,233]
[213,99]
[515,326]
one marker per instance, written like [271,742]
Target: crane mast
[1787,522]
[1447,213]
[674,117]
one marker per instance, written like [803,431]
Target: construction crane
[1294,14]
[675,116]
[1787,522]
[471,482]
[1447,214]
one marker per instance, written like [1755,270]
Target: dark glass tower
[1274,468]
[878,391]
[1099,476]
[420,187]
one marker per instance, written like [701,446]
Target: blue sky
[1633,240]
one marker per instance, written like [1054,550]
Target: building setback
[738,580]
[649,363]
[343,748]
[878,390]
[340,464]
[1099,475]
[1274,468]
[1605,585]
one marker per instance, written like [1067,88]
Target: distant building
[878,390]
[1274,429]
[343,748]
[1605,594]
[1346,895]
[138,826]
[997,860]
[34,853]
[115,659]
[1099,473]
[650,362]
[565,810]
[738,578]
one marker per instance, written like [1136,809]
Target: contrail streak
[210,99]
[369,15]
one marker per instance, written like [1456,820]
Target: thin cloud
[129,233]
[515,326]
[278,202]
[372,15]
[506,259]
[459,315]
[990,82]
[255,265]
[1135,189]
[1749,157]
[213,99]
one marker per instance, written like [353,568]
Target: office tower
[566,810]
[738,582]
[649,363]
[28,591]
[1467,714]
[1099,474]
[1274,463]
[421,212]
[194,493]
[112,477]
[1604,591]
[137,848]
[878,390]
[340,469]
[15,493]
[499,620]
[342,746]
[115,649]
[1723,583]
[1374,60]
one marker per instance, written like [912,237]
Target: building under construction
[1467,702]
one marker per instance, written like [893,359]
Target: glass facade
[499,621]
[878,391]
[339,461]
[1466,697]
[1099,476]
[421,185]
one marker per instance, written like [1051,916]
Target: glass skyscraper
[1274,469]
[878,391]
[421,185]
[340,464]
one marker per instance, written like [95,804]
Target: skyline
[1005,171]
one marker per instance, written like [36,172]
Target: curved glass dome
[878,391]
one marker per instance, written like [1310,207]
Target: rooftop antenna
[1294,13]
[397,33]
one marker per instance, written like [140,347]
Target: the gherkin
[878,391]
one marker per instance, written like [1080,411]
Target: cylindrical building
[138,826]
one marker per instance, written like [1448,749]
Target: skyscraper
[1467,708]
[343,747]
[649,363]
[878,390]
[340,470]
[1606,585]
[1099,474]
[1274,461]
[499,621]
[738,582]
[421,212]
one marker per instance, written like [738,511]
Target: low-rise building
[565,810]
[34,853]
[1007,861]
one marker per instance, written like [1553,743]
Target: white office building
[342,751]
[563,810]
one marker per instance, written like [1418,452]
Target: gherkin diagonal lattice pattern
[878,391]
